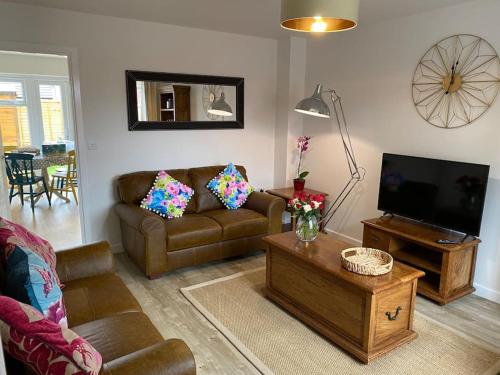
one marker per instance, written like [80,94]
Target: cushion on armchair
[12,235]
[231,188]
[30,280]
[167,197]
[42,345]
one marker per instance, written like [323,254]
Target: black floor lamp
[316,106]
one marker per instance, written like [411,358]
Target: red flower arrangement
[307,205]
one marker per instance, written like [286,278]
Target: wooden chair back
[19,168]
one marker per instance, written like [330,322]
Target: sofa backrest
[206,200]
[133,187]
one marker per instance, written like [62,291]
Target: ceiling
[250,17]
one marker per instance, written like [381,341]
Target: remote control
[447,242]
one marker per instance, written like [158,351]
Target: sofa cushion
[192,230]
[118,335]
[200,177]
[133,187]
[231,188]
[239,223]
[96,297]
[168,197]
[31,281]
[42,345]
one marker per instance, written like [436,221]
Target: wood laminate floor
[174,316]
[59,224]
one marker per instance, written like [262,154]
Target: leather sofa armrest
[140,219]
[171,357]
[147,248]
[270,206]
[84,261]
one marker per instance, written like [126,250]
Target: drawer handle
[395,316]
[375,238]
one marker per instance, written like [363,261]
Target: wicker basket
[366,261]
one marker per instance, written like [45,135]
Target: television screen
[444,193]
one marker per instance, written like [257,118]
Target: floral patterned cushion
[12,235]
[230,187]
[167,197]
[30,280]
[44,346]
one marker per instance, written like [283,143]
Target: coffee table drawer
[393,312]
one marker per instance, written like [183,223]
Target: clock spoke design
[456,81]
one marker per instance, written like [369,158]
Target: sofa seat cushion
[96,297]
[239,223]
[191,231]
[118,335]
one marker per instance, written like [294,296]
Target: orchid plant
[303,146]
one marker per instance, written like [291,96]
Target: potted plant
[303,146]
[307,210]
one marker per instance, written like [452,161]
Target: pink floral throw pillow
[43,345]
[12,235]
[167,197]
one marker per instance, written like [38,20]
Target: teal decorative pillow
[168,197]
[230,187]
[31,281]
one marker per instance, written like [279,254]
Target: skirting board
[481,291]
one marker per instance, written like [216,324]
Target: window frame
[31,86]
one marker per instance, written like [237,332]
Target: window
[14,121]
[34,110]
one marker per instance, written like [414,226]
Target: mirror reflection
[169,102]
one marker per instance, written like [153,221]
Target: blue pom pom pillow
[167,197]
[231,188]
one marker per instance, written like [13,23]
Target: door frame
[77,115]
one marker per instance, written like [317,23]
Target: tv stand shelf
[449,268]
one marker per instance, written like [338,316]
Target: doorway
[37,119]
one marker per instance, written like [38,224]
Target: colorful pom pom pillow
[167,197]
[30,280]
[12,235]
[42,345]
[230,187]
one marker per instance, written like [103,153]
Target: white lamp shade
[319,15]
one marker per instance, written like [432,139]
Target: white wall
[106,47]
[372,70]
[34,64]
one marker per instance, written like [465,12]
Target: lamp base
[298,184]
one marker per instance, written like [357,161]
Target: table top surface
[287,193]
[324,253]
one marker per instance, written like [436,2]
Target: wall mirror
[170,101]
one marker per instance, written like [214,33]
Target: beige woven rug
[275,342]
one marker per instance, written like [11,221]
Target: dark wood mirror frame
[132,76]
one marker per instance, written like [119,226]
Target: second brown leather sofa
[207,231]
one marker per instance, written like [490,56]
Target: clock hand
[452,80]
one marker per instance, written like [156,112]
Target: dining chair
[65,180]
[20,173]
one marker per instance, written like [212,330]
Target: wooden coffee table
[367,316]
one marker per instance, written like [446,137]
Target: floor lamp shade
[319,15]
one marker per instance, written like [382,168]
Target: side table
[287,194]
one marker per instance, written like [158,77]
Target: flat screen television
[444,193]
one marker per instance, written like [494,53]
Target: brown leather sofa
[102,310]
[207,231]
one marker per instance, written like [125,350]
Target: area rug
[277,343]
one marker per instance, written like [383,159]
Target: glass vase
[307,229]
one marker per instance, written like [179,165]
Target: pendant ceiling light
[319,15]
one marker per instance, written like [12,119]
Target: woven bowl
[366,261]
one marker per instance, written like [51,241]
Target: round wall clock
[209,95]
[456,81]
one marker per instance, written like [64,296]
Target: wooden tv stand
[449,269]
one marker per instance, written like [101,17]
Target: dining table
[43,162]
